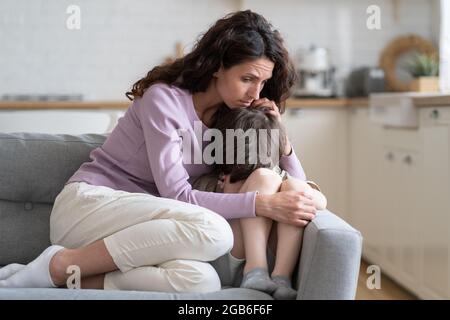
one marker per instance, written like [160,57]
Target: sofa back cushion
[33,170]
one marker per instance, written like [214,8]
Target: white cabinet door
[388,208]
[434,222]
[399,205]
[364,180]
[402,216]
[59,121]
[319,137]
[409,216]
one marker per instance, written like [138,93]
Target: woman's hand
[274,110]
[290,207]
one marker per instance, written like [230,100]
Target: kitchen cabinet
[435,218]
[60,121]
[319,137]
[399,182]
[399,204]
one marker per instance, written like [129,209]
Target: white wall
[120,40]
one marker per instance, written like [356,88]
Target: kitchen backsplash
[120,40]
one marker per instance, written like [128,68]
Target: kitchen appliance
[363,81]
[316,75]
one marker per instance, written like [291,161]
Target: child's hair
[245,119]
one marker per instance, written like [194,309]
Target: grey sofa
[33,170]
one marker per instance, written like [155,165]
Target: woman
[129,219]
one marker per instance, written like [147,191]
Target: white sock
[36,274]
[10,269]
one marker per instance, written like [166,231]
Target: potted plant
[425,69]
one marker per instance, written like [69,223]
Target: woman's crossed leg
[139,241]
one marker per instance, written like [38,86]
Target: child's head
[273,138]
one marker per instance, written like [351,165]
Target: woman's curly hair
[238,37]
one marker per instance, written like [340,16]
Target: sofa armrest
[329,259]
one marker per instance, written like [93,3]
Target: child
[230,178]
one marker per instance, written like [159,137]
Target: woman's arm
[157,111]
[290,207]
[158,114]
[292,164]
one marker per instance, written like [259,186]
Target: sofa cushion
[33,170]
[35,166]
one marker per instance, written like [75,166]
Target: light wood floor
[389,289]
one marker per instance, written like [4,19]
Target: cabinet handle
[434,114]
[407,159]
[390,156]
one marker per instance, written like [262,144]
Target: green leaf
[424,65]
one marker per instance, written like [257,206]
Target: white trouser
[158,244]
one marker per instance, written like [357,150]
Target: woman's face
[241,84]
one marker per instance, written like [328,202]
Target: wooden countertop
[83,105]
[442,100]
[438,100]
[321,103]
